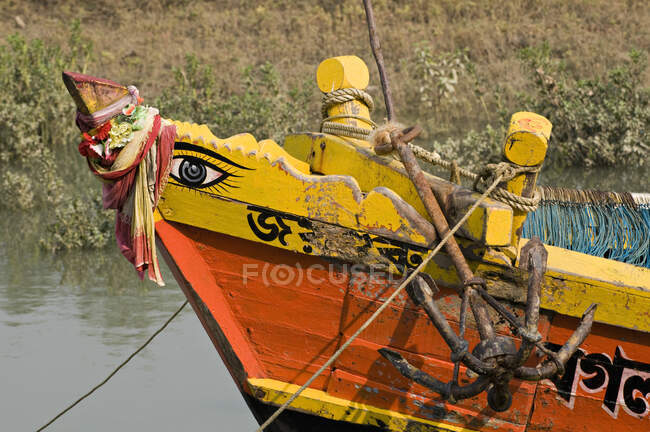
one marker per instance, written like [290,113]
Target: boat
[285,251]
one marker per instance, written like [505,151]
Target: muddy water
[67,320]
[62,331]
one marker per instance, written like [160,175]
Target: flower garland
[112,136]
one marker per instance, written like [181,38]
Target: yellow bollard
[525,145]
[345,72]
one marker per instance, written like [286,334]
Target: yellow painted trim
[319,403]
[245,143]
[230,217]
[574,280]
[272,198]
[490,224]
[156,215]
[525,145]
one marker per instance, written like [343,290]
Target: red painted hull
[276,314]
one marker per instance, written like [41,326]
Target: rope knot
[506,171]
[381,139]
[490,172]
[341,96]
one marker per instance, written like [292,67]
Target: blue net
[604,224]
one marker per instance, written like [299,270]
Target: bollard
[525,145]
[345,72]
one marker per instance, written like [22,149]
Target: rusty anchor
[496,359]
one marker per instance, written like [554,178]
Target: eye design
[196,167]
[196,173]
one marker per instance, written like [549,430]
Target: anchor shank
[534,257]
[400,140]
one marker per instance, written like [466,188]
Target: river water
[62,332]
[67,320]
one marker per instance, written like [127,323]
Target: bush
[41,170]
[438,75]
[438,91]
[599,121]
[263,106]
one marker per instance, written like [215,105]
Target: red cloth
[114,194]
[135,248]
[164,159]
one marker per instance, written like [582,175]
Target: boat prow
[285,251]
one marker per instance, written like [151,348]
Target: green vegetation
[263,106]
[458,68]
[597,122]
[37,158]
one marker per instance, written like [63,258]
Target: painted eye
[197,167]
[195,172]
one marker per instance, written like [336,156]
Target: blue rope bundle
[644,209]
[604,224]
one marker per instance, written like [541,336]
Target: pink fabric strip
[164,159]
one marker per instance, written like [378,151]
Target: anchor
[496,359]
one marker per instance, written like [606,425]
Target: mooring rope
[527,204]
[381,308]
[72,405]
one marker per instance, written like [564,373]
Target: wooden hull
[276,316]
[272,246]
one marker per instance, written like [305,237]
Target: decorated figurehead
[238,186]
[129,147]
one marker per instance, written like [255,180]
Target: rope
[352,116]
[349,131]
[509,170]
[389,300]
[436,159]
[115,370]
[515,201]
[340,96]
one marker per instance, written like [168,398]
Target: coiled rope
[340,96]
[381,308]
